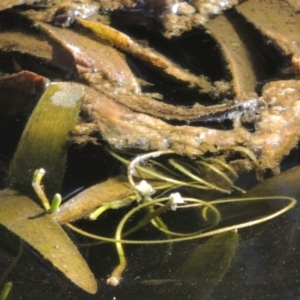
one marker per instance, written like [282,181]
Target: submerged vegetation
[83,81]
[157,193]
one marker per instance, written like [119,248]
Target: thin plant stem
[159,165]
[37,186]
[217,171]
[137,160]
[116,275]
[149,217]
[201,235]
[223,164]
[191,175]
[56,201]
[248,153]
[6,290]
[95,214]
[118,157]
[13,264]
[175,182]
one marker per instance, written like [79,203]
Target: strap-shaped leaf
[22,216]
[45,138]
[44,145]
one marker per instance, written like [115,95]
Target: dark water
[265,264]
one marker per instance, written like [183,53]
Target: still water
[258,262]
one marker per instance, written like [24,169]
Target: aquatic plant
[119,110]
[154,188]
[5,290]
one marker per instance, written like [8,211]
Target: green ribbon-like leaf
[22,216]
[44,144]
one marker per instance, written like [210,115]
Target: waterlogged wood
[282,30]
[235,53]
[25,42]
[144,103]
[5,4]
[19,92]
[22,216]
[150,56]
[97,63]
[295,4]
[276,130]
[44,141]
[45,57]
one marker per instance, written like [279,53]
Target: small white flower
[174,8]
[176,199]
[42,171]
[144,188]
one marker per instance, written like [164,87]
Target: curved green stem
[223,164]
[95,214]
[200,235]
[221,174]
[6,290]
[56,201]
[116,275]
[248,153]
[37,186]
[193,176]
[13,264]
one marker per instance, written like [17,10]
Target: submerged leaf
[203,270]
[284,184]
[44,144]
[45,139]
[23,217]
[209,262]
[115,189]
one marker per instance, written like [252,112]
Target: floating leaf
[22,216]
